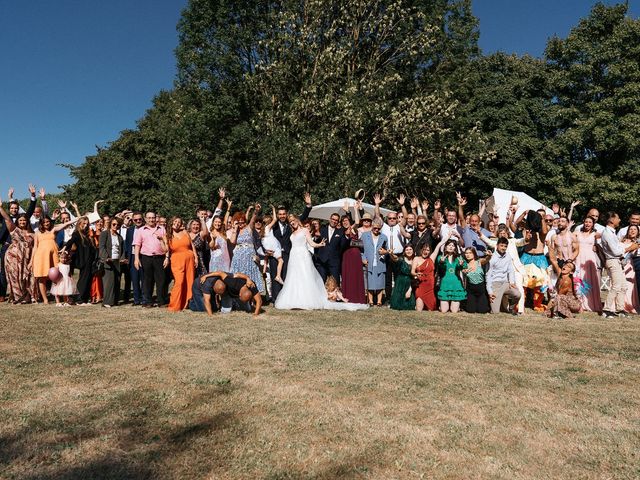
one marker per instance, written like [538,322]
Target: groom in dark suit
[329,257]
[282,231]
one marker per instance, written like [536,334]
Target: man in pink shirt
[152,256]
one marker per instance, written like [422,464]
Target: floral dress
[243,258]
[21,287]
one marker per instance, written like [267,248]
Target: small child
[66,286]
[271,243]
[333,292]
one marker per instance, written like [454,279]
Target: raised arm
[574,204]
[75,208]
[32,201]
[10,225]
[514,226]
[221,194]
[414,205]
[356,213]
[257,209]
[61,226]
[95,206]
[377,200]
[228,212]
[436,251]
[308,205]
[204,231]
[274,218]
[401,200]
[43,202]
[462,201]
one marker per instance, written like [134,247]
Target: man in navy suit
[329,257]
[282,231]
[137,275]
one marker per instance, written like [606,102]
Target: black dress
[83,259]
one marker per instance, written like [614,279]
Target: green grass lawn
[91,393]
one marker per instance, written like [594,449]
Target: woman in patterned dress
[219,245]
[21,287]
[200,239]
[244,251]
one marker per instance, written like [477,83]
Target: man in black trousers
[282,231]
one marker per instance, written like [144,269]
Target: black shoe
[147,305]
[608,314]
[622,314]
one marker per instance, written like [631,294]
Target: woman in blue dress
[373,257]
[244,252]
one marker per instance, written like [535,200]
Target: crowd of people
[416,257]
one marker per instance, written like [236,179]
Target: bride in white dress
[303,287]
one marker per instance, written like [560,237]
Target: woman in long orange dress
[97,290]
[183,262]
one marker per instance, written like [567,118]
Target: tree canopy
[272,99]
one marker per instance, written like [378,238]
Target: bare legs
[453,307]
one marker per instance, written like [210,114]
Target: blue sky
[77,72]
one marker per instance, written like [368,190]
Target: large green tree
[595,79]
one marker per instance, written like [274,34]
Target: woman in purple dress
[352,272]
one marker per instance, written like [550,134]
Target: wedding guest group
[414,256]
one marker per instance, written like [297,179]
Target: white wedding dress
[303,287]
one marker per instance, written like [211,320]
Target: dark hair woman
[352,273]
[402,296]
[21,287]
[449,266]
[83,258]
[111,251]
[477,300]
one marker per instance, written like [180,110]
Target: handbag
[356,243]
[97,267]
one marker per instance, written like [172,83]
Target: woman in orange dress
[183,262]
[45,252]
[97,290]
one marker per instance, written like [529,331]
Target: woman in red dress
[423,270]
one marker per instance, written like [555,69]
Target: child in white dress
[271,243]
[66,286]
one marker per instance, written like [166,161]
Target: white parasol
[324,211]
[502,199]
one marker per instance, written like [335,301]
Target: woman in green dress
[402,296]
[449,267]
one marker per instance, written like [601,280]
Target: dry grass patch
[132,393]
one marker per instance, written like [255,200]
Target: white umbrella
[502,199]
[325,210]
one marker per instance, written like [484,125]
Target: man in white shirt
[501,282]
[392,230]
[613,252]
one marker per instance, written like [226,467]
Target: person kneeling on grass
[564,300]
[203,296]
[236,290]
[501,283]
